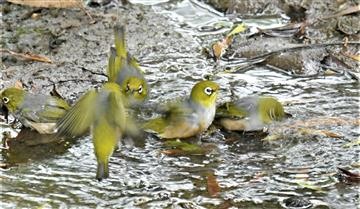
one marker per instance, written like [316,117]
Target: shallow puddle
[251,173]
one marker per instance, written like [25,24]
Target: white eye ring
[208,91]
[140,90]
[127,88]
[6,100]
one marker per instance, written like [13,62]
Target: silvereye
[36,111]
[125,70]
[103,111]
[249,113]
[190,117]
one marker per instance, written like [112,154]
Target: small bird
[190,117]
[103,111]
[125,70]
[35,111]
[249,113]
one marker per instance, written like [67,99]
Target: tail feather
[111,69]
[119,32]
[102,171]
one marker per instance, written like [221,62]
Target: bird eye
[6,100]
[208,91]
[140,89]
[127,88]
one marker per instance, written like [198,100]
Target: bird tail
[112,65]
[102,170]
[119,32]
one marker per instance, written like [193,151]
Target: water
[251,173]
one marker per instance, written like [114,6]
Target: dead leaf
[352,56]
[55,4]
[310,131]
[331,134]
[18,85]
[213,187]
[49,4]
[219,49]
[28,56]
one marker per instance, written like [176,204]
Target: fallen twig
[350,10]
[27,56]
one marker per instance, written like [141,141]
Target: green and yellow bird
[35,111]
[126,71]
[103,111]
[190,117]
[249,113]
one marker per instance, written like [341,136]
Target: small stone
[297,202]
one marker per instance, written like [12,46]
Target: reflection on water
[251,173]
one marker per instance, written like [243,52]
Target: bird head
[12,98]
[205,93]
[135,89]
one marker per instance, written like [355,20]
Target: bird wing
[55,108]
[42,109]
[176,121]
[115,112]
[231,110]
[80,117]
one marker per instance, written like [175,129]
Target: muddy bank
[77,47]
[313,24]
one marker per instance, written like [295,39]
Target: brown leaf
[352,56]
[18,85]
[213,187]
[228,40]
[311,131]
[331,134]
[218,49]
[49,3]
[28,56]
